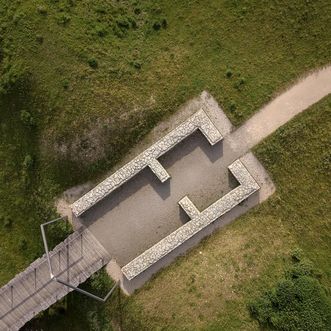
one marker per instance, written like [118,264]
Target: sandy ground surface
[143,211]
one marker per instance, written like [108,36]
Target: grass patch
[210,287]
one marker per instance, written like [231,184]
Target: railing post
[68,264]
[59,256]
[35,279]
[12,295]
[81,245]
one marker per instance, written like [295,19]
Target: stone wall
[148,158]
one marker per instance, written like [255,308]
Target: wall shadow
[147,177]
[188,145]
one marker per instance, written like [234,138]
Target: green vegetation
[81,81]
[298,301]
[211,287]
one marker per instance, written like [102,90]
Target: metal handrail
[60,281]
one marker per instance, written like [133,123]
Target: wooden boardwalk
[74,260]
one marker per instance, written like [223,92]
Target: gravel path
[282,109]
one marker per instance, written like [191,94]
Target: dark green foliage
[39,39]
[233,106]
[123,22]
[136,64]
[42,10]
[65,84]
[93,63]
[240,83]
[22,244]
[12,74]
[100,30]
[6,221]
[228,73]
[100,283]
[63,19]
[160,24]
[27,118]
[157,26]
[325,164]
[28,162]
[297,302]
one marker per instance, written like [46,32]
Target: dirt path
[282,109]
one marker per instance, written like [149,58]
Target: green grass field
[82,81]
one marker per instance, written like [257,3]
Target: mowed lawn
[209,288]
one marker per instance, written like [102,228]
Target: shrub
[157,26]
[123,22]
[118,32]
[101,9]
[63,19]
[160,24]
[164,23]
[136,64]
[297,302]
[93,63]
[42,10]
[65,84]
[27,118]
[240,83]
[228,73]
[6,221]
[13,73]
[233,106]
[39,39]
[100,282]
[28,162]
[100,30]
[22,244]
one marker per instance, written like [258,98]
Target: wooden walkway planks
[74,260]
